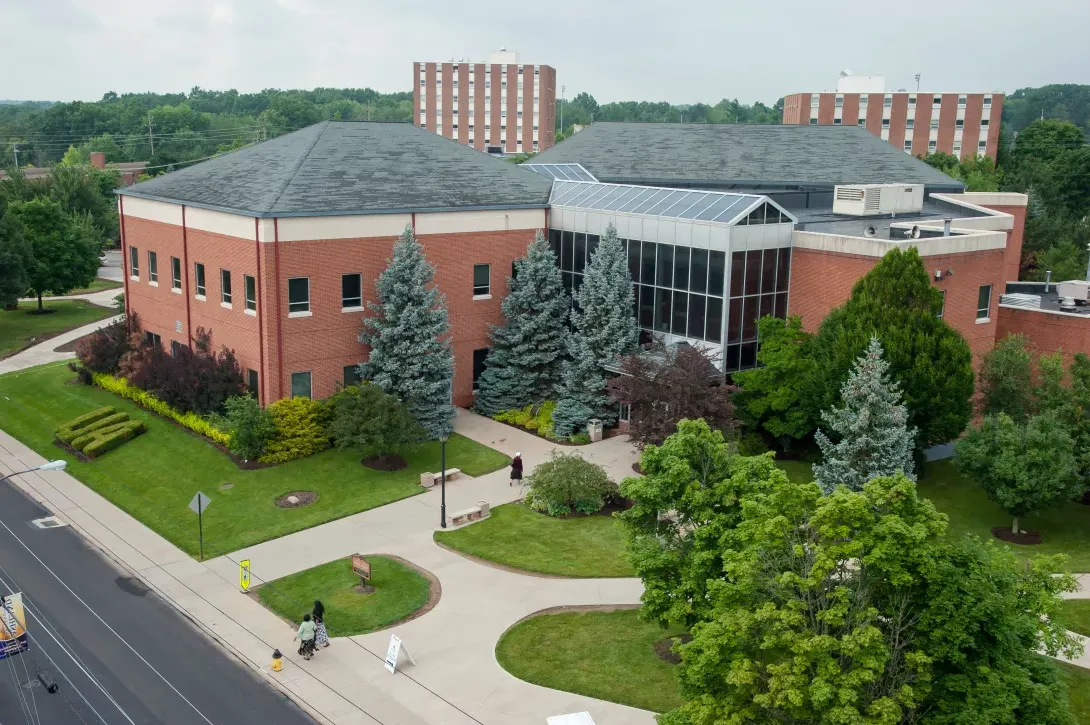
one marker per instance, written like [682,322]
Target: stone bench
[428,479]
[473,513]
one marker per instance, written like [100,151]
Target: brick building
[276,248]
[962,124]
[502,106]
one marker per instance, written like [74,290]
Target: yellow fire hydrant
[278,661]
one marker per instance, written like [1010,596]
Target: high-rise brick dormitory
[276,248]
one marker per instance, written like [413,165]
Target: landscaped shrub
[197,424]
[67,430]
[372,421]
[567,484]
[82,441]
[68,434]
[249,425]
[109,442]
[300,431]
[102,350]
[536,418]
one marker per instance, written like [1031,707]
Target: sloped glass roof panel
[588,202]
[649,201]
[666,202]
[602,201]
[562,172]
[564,190]
[683,203]
[734,209]
[693,211]
[635,201]
[629,193]
[725,202]
[585,192]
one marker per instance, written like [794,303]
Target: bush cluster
[536,418]
[249,426]
[568,484]
[99,431]
[192,421]
[301,430]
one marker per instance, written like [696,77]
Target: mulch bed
[388,462]
[303,498]
[664,648]
[1026,538]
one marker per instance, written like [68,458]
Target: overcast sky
[682,52]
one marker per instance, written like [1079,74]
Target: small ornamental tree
[249,425]
[604,329]
[665,385]
[65,248]
[871,424]
[769,396]
[525,363]
[896,302]
[568,484]
[407,331]
[372,421]
[1024,468]
[1006,378]
[102,350]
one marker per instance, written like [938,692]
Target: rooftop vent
[877,199]
[1077,289]
[1021,299]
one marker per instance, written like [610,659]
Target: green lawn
[608,655]
[399,591]
[97,286]
[516,536]
[1065,530]
[1076,616]
[797,471]
[19,329]
[154,476]
[1078,691]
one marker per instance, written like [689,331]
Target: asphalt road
[119,653]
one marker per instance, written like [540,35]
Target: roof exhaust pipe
[946,226]
[1048,280]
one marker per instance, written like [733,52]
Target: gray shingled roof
[718,154]
[346,167]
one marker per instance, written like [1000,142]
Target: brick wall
[326,341]
[1050,332]
[821,281]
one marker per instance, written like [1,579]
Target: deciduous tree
[407,331]
[525,363]
[16,259]
[874,439]
[65,248]
[1006,378]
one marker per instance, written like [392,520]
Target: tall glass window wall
[681,290]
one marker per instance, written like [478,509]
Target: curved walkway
[45,352]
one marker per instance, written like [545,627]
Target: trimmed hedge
[81,442]
[111,441]
[71,429]
[301,430]
[68,436]
[192,421]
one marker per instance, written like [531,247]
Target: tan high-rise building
[962,124]
[502,106]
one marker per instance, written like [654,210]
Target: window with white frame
[198,274]
[910,124]
[936,100]
[481,280]
[934,123]
[838,102]
[932,145]
[885,123]
[153,267]
[351,291]
[251,292]
[962,100]
[983,301]
[815,101]
[225,286]
[959,123]
[175,273]
[984,123]
[298,295]
[912,101]
[987,101]
[301,385]
[908,146]
[887,102]
[134,262]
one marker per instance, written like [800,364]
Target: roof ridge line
[298,165]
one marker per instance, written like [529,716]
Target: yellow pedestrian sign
[244,575]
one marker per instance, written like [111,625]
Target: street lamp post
[443,479]
[47,466]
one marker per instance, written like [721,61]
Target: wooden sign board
[361,567]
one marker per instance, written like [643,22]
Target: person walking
[321,636]
[305,635]
[516,470]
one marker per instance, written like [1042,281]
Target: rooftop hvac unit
[876,199]
[1077,289]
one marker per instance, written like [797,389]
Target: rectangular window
[837,121]
[251,292]
[813,121]
[479,358]
[936,101]
[665,264]
[862,122]
[351,291]
[987,101]
[175,348]
[681,268]
[942,308]
[912,101]
[198,272]
[698,277]
[300,384]
[647,267]
[783,269]
[908,146]
[753,272]
[714,332]
[225,287]
[984,123]
[910,124]
[152,339]
[662,310]
[579,260]
[983,301]
[959,123]
[934,123]
[717,262]
[838,102]
[298,294]
[251,382]
[962,100]
[887,102]
[885,123]
[815,101]
[932,145]
[134,262]
[352,375]
[153,267]
[481,280]
[175,273]
[696,316]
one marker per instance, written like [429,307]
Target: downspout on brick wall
[124,258]
[279,314]
[260,335]
[185,282]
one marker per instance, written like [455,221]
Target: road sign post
[244,575]
[198,505]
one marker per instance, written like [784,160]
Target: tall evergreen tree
[525,364]
[872,425]
[407,333]
[604,330]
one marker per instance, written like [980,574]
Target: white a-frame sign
[393,653]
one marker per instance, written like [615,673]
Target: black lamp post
[443,479]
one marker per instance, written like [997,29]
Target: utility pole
[562,90]
[150,137]
[917,83]
[15,150]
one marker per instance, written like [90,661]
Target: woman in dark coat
[516,470]
[321,636]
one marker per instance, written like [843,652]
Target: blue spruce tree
[525,363]
[407,333]
[604,328]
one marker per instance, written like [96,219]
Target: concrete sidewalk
[456,679]
[45,352]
